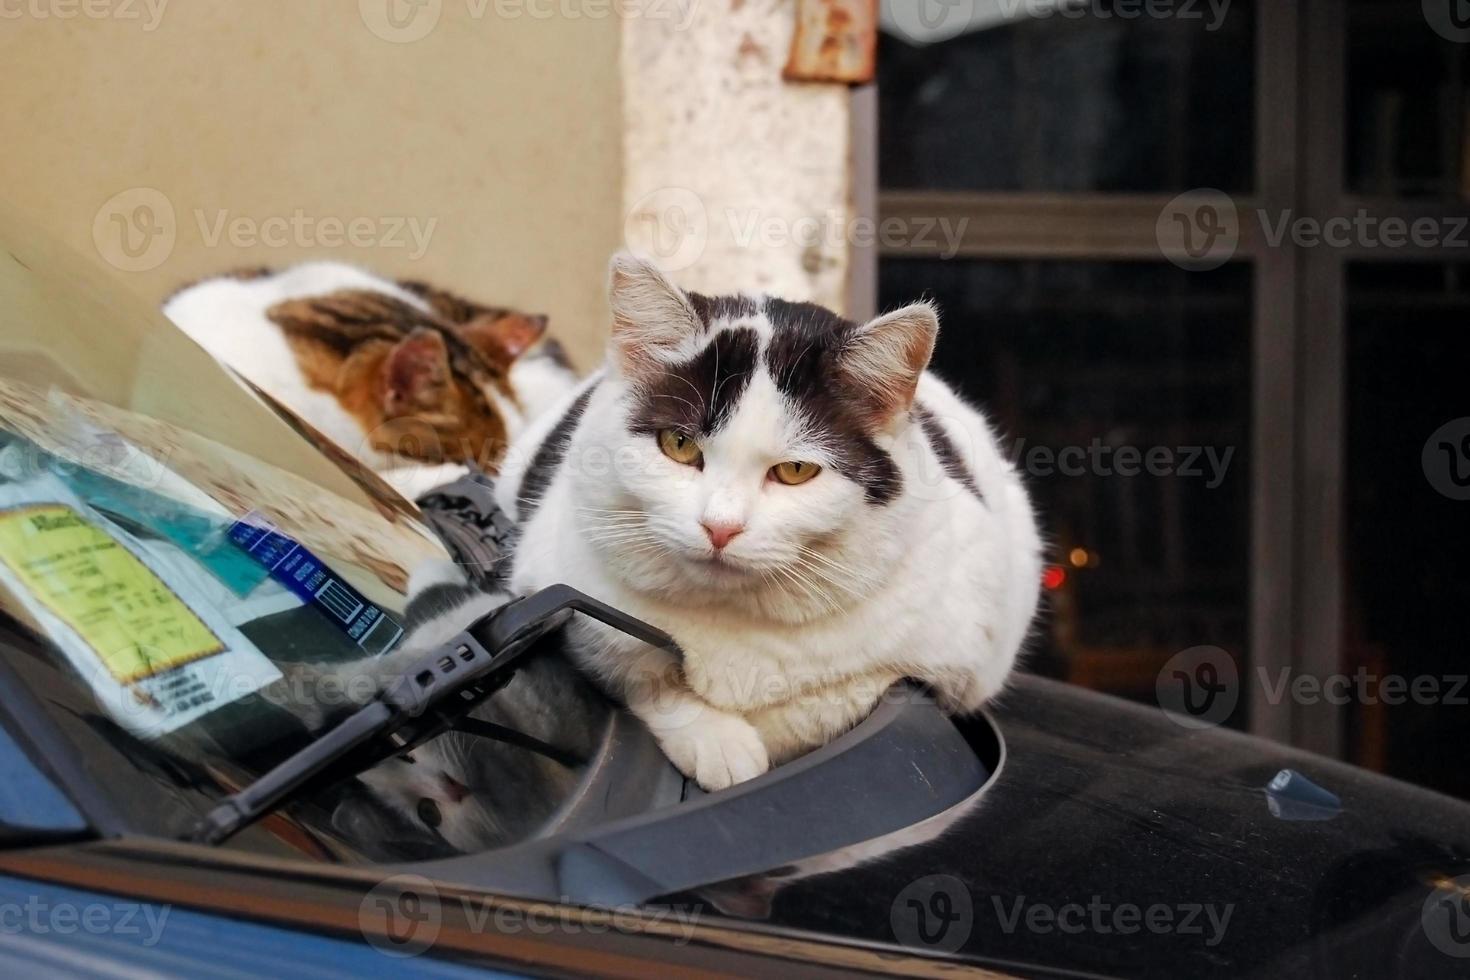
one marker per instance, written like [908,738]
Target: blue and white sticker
[145,637]
[309,578]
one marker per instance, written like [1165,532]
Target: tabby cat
[414,381]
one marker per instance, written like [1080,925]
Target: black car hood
[1113,840]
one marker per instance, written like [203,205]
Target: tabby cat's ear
[885,357]
[416,375]
[652,319]
[502,336]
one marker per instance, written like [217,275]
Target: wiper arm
[425,701]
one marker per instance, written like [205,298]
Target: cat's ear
[416,375]
[652,319]
[885,357]
[502,336]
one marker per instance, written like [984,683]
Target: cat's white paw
[717,751]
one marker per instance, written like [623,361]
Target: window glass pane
[1407,522]
[1088,101]
[1406,105]
[1096,370]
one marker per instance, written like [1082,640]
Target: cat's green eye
[680,447]
[793,474]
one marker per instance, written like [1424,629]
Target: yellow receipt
[135,624]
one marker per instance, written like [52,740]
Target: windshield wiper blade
[412,708]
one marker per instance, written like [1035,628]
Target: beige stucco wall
[496,136]
[499,147]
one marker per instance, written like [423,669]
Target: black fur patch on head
[698,396]
[712,309]
[547,461]
[944,448]
[804,358]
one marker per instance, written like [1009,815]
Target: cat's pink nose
[721,534]
[453,788]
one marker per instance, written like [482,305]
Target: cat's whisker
[692,387]
[807,556]
[608,530]
[620,537]
[786,579]
[632,547]
[803,565]
[693,407]
[623,532]
[811,591]
[613,514]
[649,551]
[835,572]
[626,523]
[642,551]
[524,502]
[614,518]
[861,575]
[832,602]
[619,534]
[828,578]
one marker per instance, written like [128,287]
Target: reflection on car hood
[1115,841]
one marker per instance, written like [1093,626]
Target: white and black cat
[792,496]
[809,513]
[413,380]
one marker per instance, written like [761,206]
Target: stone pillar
[732,177]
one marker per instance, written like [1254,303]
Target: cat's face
[422,386]
[412,402]
[756,432]
[433,794]
[751,496]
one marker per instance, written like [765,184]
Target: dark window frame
[1298,332]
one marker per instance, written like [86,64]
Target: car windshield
[171,547]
